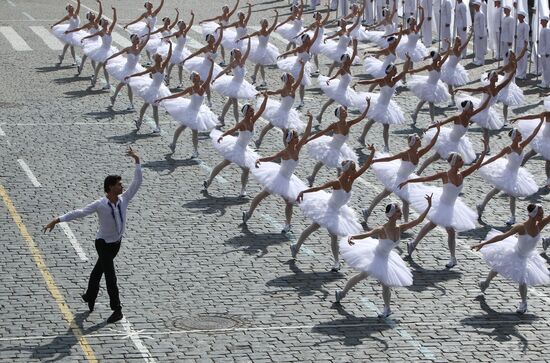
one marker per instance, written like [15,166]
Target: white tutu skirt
[510,95]
[388,114]
[145,88]
[417,52]
[389,269]
[280,117]
[98,52]
[540,143]
[520,184]
[292,66]
[487,119]
[210,27]
[377,37]
[231,150]
[119,68]
[458,216]
[187,114]
[76,38]
[321,149]
[269,176]
[178,54]
[202,67]
[386,173]
[503,258]
[425,91]
[289,31]
[360,34]
[140,28]
[334,52]
[234,87]
[229,39]
[454,76]
[59,32]
[374,67]
[339,222]
[263,55]
[333,91]
[445,145]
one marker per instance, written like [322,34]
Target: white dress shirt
[112,218]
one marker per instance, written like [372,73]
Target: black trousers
[105,265]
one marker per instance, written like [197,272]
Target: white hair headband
[245,108]
[535,211]
[454,158]
[192,75]
[346,165]
[392,209]
[289,136]
[412,139]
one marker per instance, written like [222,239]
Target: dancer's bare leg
[156,116]
[316,168]
[366,130]
[244,180]
[423,232]
[217,170]
[351,283]
[405,210]
[528,156]
[488,197]
[368,211]
[288,212]
[264,131]
[323,109]
[427,162]
[386,136]
[256,201]
[417,110]
[305,234]
[236,109]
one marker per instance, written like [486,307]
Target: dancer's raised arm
[405,226]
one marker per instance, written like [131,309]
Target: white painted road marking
[28,15]
[29,173]
[18,43]
[121,40]
[48,38]
[134,336]
[10,2]
[72,238]
[2,132]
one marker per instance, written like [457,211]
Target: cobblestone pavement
[197,286]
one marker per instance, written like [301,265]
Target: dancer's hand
[354,85]
[257,163]
[350,241]
[429,198]
[300,197]
[477,247]
[309,114]
[48,227]
[401,185]
[368,100]
[126,78]
[130,152]
[370,147]
[220,139]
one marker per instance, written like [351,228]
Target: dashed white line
[134,337]
[120,40]
[72,238]
[51,41]
[18,43]
[2,132]
[10,2]
[28,15]
[29,173]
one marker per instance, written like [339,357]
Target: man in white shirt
[544,52]
[480,35]
[368,12]
[428,22]
[495,26]
[522,36]
[507,31]
[111,212]
[446,17]
[380,5]
[461,22]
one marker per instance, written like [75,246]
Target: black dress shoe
[115,316]
[90,302]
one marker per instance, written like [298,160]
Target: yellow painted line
[48,278]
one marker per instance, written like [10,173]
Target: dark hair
[531,207]
[110,180]
[388,208]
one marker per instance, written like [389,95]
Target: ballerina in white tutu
[317,47]
[262,52]
[374,66]
[190,112]
[293,65]
[330,210]
[151,89]
[391,170]
[338,89]
[201,65]
[180,52]
[234,87]
[157,40]
[235,149]
[120,67]
[376,257]
[511,95]
[62,28]
[377,36]
[356,13]
[383,109]
[278,179]
[331,151]
[448,209]
[453,139]
[213,26]
[412,47]
[101,50]
[280,113]
[232,38]
[146,22]
[90,28]
[292,26]
[334,50]
[507,175]
[541,143]
[429,88]
[453,74]
[489,118]
[516,258]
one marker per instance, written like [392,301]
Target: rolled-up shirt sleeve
[79,213]
[134,186]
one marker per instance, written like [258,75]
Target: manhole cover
[206,322]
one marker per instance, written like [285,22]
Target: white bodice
[320,36]
[239,72]
[196,101]
[287,102]
[263,40]
[166,33]
[210,55]
[450,193]
[338,199]
[241,32]
[412,39]
[132,60]
[545,130]
[386,93]
[158,77]
[244,138]
[406,168]
[288,167]
[514,161]
[457,131]
[344,82]
[305,56]
[452,61]
[389,29]
[106,40]
[298,23]
[433,76]
[74,22]
[180,41]
[343,42]
[151,20]
[390,58]
[338,140]
[385,246]
[526,244]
